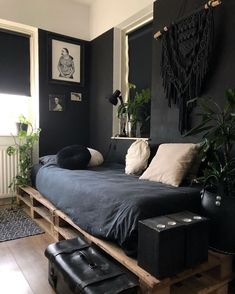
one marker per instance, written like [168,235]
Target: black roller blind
[140,56]
[14,63]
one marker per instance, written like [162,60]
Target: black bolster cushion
[73,157]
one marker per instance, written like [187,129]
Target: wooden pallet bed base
[210,277]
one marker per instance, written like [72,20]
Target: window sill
[129,138]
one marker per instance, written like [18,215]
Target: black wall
[101,86]
[71,126]
[93,126]
[164,120]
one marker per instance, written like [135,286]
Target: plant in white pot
[137,110]
[23,147]
[218,173]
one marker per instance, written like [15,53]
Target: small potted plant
[22,124]
[23,147]
[137,110]
[218,172]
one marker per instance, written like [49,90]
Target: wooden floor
[23,267]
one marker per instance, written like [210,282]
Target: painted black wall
[91,124]
[71,126]
[164,120]
[101,86]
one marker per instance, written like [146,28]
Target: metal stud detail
[217,203]
[161,226]
[171,223]
[197,217]
[187,220]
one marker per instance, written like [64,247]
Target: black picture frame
[56,102]
[68,54]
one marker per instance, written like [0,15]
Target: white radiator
[8,169]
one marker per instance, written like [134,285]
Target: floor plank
[12,279]
[28,256]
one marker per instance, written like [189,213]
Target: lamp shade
[113,99]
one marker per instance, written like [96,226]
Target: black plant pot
[21,127]
[222,223]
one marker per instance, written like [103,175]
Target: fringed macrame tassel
[186,50]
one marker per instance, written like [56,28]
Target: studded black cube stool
[161,245]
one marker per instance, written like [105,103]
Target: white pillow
[137,157]
[96,158]
[171,163]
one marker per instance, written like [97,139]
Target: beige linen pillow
[96,158]
[137,157]
[171,163]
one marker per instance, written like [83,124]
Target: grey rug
[15,224]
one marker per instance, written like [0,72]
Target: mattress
[107,203]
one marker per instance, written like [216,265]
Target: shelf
[44,213]
[129,138]
[25,198]
[67,233]
[204,283]
[45,225]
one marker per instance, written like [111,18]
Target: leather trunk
[77,267]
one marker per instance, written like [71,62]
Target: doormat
[15,224]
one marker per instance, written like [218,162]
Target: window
[11,107]
[122,66]
[140,75]
[18,75]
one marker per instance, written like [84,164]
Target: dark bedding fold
[107,203]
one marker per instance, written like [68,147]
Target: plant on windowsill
[137,110]
[23,148]
[218,173]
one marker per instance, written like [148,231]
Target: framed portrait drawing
[65,60]
[56,103]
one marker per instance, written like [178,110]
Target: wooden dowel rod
[212,3]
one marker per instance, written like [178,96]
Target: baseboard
[6,200]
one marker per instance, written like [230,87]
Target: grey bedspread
[107,203]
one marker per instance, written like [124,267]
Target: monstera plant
[23,148]
[217,127]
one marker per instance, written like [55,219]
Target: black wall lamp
[113,99]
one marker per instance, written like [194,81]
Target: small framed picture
[65,60]
[56,102]
[76,96]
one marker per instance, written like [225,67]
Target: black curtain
[14,63]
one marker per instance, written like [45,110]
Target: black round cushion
[73,157]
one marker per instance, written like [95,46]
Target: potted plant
[137,110]
[22,124]
[218,172]
[23,147]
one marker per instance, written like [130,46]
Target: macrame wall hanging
[186,51]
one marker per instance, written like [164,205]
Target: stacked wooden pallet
[210,277]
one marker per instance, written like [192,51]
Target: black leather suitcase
[77,267]
[196,236]
[161,246]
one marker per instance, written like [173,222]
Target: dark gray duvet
[107,203]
